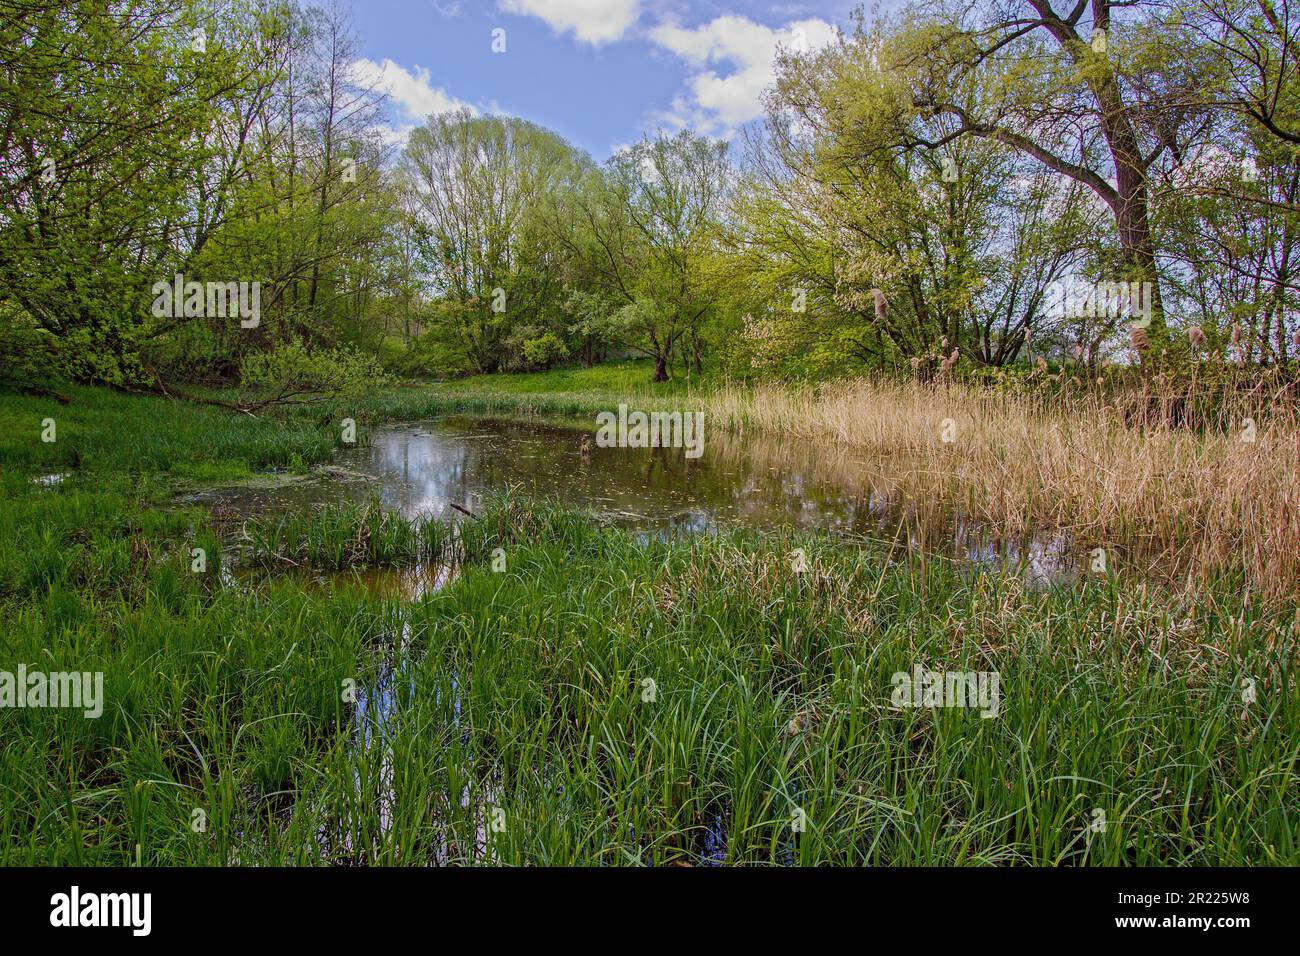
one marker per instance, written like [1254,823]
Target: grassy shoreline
[524,691]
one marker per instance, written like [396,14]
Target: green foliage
[32,354]
[433,355]
[545,350]
[293,372]
[103,162]
[906,187]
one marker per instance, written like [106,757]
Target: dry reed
[1206,503]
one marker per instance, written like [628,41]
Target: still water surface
[760,481]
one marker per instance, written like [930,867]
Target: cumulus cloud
[732,60]
[410,89]
[591,21]
[412,92]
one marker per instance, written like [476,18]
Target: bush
[294,373]
[544,351]
[433,357]
[32,355]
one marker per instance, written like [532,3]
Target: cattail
[1041,366]
[1295,338]
[916,362]
[1236,335]
[1078,351]
[1196,336]
[1138,339]
[882,304]
[943,342]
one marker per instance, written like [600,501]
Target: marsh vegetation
[986,328]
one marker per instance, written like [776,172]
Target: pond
[428,468]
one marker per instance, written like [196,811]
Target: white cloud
[592,21]
[410,89]
[732,59]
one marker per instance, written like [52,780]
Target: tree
[1084,90]
[655,220]
[478,185]
[893,256]
[98,163]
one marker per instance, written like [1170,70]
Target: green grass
[346,536]
[109,433]
[626,377]
[526,689]
[558,392]
[522,696]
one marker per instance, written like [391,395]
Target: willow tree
[655,220]
[99,163]
[478,186]
[894,252]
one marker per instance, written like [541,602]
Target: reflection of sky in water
[758,481]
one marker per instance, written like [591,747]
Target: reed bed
[1209,502]
[1199,484]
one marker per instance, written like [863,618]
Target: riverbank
[585,694]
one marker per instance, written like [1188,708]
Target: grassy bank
[603,698]
[111,433]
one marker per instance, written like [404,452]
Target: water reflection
[755,481]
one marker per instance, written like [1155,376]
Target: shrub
[293,373]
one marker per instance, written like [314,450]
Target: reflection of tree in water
[759,480]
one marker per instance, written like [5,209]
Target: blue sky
[601,73]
